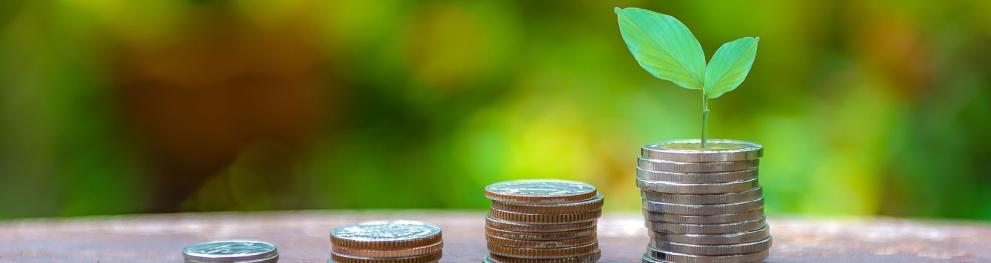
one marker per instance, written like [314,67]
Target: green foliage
[663,46]
[468,118]
[729,66]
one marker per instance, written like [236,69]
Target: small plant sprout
[665,47]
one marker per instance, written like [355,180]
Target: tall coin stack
[550,221]
[703,205]
[386,241]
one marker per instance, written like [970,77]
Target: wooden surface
[302,237]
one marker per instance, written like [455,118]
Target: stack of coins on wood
[231,251]
[703,204]
[386,241]
[542,221]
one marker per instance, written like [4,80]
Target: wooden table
[302,237]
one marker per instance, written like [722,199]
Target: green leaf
[663,46]
[729,66]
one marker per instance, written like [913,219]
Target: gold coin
[563,208]
[570,234]
[507,242]
[540,191]
[587,258]
[392,253]
[545,218]
[542,253]
[528,227]
[386,235]
[429,258]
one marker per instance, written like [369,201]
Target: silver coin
[680,167]
[696,178]
[697,189]
[679,209]
[713,250]
[706,199]
[720,239]
[690,151]
[702,220]
[540,191]
[708,229]
[385,231]
[231,251]
[665,256]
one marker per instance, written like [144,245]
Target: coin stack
[230,251]
[703,204]
[542,221]
[399,241]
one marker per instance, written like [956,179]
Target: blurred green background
[112,107]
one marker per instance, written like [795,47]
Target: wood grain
[302,237]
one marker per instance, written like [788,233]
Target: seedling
[665,47]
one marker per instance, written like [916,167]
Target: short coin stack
[231,251]
[386,241]
[550,221]
[703,205]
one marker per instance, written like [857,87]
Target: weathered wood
[302,237]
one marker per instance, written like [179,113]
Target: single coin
[697,189]
[528,227]
[646,259]
[718,209]
[428,258]
[713,250]
[506,242]
[706,199]
[720,239]
[231,251]
[680,167]
[391,253]
[587,258]
[540,191]
[706,219]
[386,235]
[570,234]
[563,208]
[696,178]
[542,252]
[690,151]
[664,257]
[675,228]
[545,218]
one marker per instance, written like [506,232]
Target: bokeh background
[114,107]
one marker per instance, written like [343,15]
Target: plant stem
[705,118]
